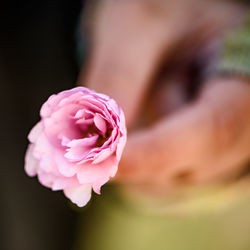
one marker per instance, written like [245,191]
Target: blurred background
[50,46]
[38,58]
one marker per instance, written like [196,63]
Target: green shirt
[235,56]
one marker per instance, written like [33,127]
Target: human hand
[205,141]
[130,41]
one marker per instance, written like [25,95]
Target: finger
[217,125]
[128,44]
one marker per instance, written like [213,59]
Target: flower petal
[100,123]
[79,195]
[35,132]
[79,148]
[89,173]
[31,163]
[120,147]
[60,124]
[97,185]
[84,142]
[56,182]
[66,168]
[102,155]
[53,101]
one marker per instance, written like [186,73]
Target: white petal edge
[31,162]
[120,147]
[79,195]
[100,123]
[35,132]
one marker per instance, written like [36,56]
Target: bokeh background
[38,58]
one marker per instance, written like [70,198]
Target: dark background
[37,58]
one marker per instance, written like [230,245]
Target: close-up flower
[77,144]
[138,112]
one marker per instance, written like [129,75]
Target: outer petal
[113,107]
[122,124]
[91,173]
[42,147]
[60,124]
[102,155]
[31,163]
[62,183]
[97,185]
[120,147]
[51,104]
[52,157]
[35,132]
[79,195]
[66,168]
[56,182]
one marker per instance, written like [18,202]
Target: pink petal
[79,195]
[84,113]
[97,185]
[79,113]
[31,163]
[97,106]
[66,168]
[48,165]
[111,139]
[51,104]
[56,182]
[42,147]
[76,153]
[60,124]
[113,107]
[100,123]
[94,153]
[84,142]
[120,147]
[48,106]
[70,99]
[91,173]
[80,147]
[65,141]
[62,183]
[102,155]
[122,123]
[35,132]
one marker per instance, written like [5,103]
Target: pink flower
[78,143]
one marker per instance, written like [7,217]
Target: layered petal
[79,195]
[79,148]
[100,123]
[35,132]
[89,173]
[31,163]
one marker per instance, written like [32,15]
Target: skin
[204,140]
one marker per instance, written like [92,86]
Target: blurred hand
[206,141]
[202,141]
[130,39]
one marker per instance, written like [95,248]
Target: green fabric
[235,57]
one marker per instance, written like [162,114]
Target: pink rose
[78,143]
